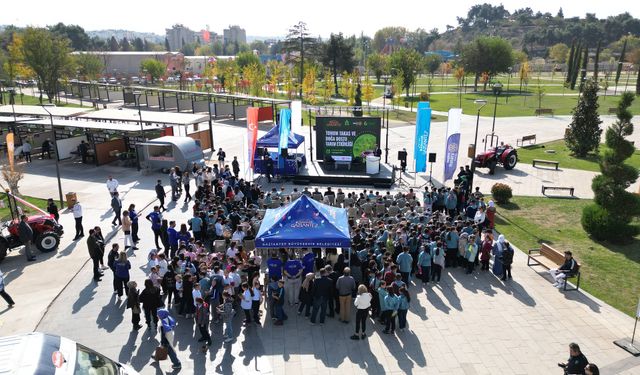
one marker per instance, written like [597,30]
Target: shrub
[501,193]
[603,226]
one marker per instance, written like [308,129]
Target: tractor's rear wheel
[47,242]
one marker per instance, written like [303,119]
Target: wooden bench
[568,188]
[527,138]
[544,111]
[613,110]
[548,257]
[548,162]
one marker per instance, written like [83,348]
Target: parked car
[41,353]
[388,94]
[102,80]
[112,81]
[135,80]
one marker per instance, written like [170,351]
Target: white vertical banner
[296,117]
[452,143]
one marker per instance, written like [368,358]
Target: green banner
[346,136]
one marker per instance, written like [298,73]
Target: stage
[326,173]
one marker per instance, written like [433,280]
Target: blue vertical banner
[423,128]
[453,143]
[285,129]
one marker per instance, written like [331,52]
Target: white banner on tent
[296,116]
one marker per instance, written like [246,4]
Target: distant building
[180,35]
[234,34]
[127,64]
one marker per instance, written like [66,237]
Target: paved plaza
[466,324]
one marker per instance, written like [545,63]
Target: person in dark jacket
[116,205]
[576,362]
[53,209]
[306,295]
[111,263]
[507,260]
[133,303]
[160,194]
[26,236]
[235,166]
[151,301]
[322,293]
[334,303]
[568,268]
[121,270]
[95,252]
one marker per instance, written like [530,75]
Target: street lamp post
[482,103]
[497,89]
[384,91]
[55,143]
[12,100]
[136,95]
[508,80]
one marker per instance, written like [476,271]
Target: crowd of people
[206,270]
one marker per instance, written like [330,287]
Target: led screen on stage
[346,136]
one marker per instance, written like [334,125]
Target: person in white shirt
[219,228]
[362,303]
[232,251]
[238,235]
[77,216]
[112,185]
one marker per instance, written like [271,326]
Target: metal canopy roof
[123,127]
[10,119]
[131,115]
[36,110]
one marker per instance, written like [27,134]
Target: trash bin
[373,164]
[71,199]
[471,151]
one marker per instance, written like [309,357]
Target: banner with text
[252,133]
[453,143]
[285,129]
[346,136]
[423,128]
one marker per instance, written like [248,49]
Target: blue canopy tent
[304,223]
[271,140]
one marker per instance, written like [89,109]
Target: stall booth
[166,152]
[266,145]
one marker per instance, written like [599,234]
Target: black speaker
[402,155]
[432,157]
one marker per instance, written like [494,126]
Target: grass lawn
[6,215]
[609,272]
[563,155]
[33,100]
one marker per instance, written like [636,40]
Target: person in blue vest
[308,261]
[405,262]
[196,226]
[274,265]
[155,218]
[293,269]
[172,233]
[424,263]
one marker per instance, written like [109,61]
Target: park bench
[548,257]
[613,110]
[548,162]
[545,188]
[527,138]
[544,111]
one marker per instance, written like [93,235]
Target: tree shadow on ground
[630,250]
[501,220]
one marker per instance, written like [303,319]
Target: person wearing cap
[166,336]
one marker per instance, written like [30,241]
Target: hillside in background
[131,35]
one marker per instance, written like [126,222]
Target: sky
[273,18]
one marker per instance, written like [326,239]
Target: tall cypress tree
[583,135]
[570,62]
[576,66]
[610,217]
[621,61]
[596,62]
[638,82]
[583,70]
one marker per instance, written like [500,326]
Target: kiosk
[294,161]
[166,152]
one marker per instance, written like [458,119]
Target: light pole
[497,89]
[384,91]
[136,96]
[508,80]
[55,143]
[12,100]
[482,103]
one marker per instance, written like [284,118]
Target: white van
[43,354]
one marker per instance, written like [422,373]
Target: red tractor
[46,230]
[501,154]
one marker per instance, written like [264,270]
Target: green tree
[166,44]
[138,44]
[113,44]
[367,89]
[432,63]
[247,58]
[378,64]
[407,63]
[338,55]
[583,134]
[125,45]
[275,69]
[614,209]
[558,53]
[621,60]
[226,71]
[77,36]
[256,77]
[328,87]
[155,69]
[298,43]
[88,64]
[14,64]
[487,54]
[309,86]
[47,55]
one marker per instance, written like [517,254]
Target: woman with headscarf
[166,336]
[498,248]
[491,214]
[306,295]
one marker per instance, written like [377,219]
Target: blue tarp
[272,139]
[304,223]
